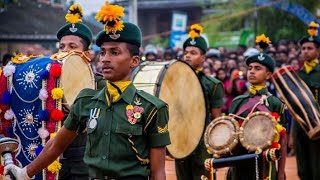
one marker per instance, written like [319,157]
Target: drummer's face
[192,55]
[69,43]
[117,63]
[258,74]
[309,51]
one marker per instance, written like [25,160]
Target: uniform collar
[127,94]
[317,68]
[263,91]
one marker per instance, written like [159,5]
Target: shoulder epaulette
[87,92]
[212,79]
[152,99]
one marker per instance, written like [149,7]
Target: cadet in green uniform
[307,150]
[127,130]
[260,69]
[75,37]
[192,167]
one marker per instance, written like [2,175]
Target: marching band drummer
[260,68]
[307,151]
[79,38]
[127,129]
[195,47]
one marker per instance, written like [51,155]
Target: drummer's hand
[17,172]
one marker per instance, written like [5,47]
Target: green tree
[277,24]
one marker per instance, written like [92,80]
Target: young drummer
[260,69]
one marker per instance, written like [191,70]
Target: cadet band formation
[59,120]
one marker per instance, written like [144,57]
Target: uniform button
[104,157]
[106,133]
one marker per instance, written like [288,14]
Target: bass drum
[178,85]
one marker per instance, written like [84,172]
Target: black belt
[123,178]
[73,152]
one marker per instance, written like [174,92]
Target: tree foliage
[277,24]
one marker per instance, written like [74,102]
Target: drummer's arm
[158,138]
[282,161]
[217,100]
[51,151]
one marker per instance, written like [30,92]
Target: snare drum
[258,131]
[177,84]
[221,136]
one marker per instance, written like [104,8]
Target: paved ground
[291,170]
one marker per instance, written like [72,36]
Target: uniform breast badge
[134,113]
[93,119]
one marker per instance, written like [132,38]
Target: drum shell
[299,100]
[177,84]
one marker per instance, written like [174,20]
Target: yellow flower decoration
[111,15]
[195,31]
[54,167]
[73,18]
[262,38]
[263,41]
[129,107]
[75,14]
[57,93]
[313,29]
[76,9]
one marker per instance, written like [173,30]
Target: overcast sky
[90,6]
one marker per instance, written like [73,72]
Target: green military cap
[75,27]
[115,30]
[79,29]
[263,59]
[130,34]
[195,39]
[313,34]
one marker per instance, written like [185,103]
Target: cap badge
[114,36]
[261,57]
[73,29]
[193,42]
[310,38]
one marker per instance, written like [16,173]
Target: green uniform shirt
[312,80]
[213,92]
[114,146]
[275,105]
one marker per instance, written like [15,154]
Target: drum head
[258,131]
[76,75]
[220,136]
[181,89]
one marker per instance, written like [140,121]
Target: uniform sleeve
[72,122]
[216,100]
[283,116]
[157,128]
